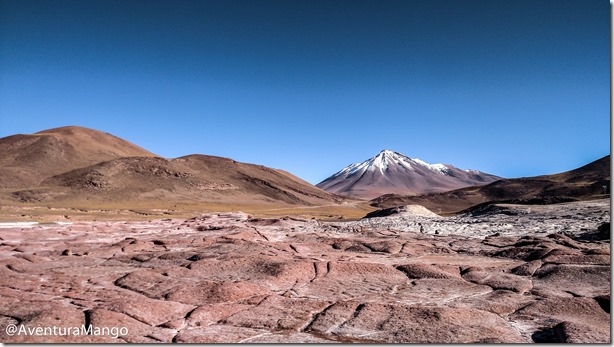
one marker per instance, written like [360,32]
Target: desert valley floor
[506,273]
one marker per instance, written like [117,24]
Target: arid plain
[206,249]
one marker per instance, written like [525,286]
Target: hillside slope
[26,160]
[193,178]
[75,166]
[586,182]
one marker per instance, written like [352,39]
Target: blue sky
[513,88]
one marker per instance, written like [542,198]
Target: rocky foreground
[502,274]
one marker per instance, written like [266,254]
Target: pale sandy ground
[504,219]
[514,274]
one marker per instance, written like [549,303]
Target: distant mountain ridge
[391,172]
[591,181]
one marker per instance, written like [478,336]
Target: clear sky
[512,88]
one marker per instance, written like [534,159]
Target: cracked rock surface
[536,276]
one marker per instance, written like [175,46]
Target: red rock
[278,313]
[149,311]
[418,270]
[500,280]
[138,332]
[207,292]
[289,337]
[584,311]
[432,290]
[501,302]
[148,282]
[217,334]
[211,314]
[332,317]
[387,246]
[421,324]
[295,281]
[528,268]
[351,280]
[593,259]
[595,279]
[570,332]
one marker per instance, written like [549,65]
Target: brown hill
[191,178]
[26,160]
[257,179]
[74,166]
[584,183]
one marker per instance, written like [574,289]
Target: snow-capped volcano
[393,172]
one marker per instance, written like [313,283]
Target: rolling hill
[73,166]
[26,160]
[586,182]
[196,178]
